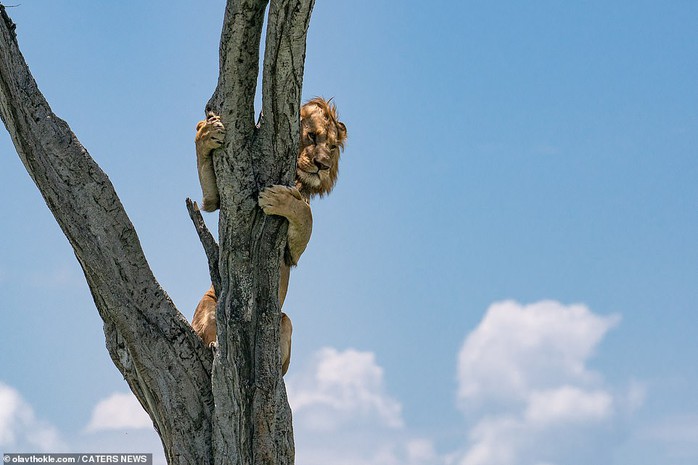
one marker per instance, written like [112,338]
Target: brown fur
[204,324]
[209,136]
[322,139]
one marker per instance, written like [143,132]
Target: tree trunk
[229,407]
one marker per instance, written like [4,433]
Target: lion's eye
[311,136]
[333,147]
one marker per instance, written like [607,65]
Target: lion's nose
[322,162]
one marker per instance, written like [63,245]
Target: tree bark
[229,408]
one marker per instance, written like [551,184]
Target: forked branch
[231,408]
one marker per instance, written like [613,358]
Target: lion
[322,140]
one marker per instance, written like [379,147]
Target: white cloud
[353,449]
[493,441]
[517,349]
[343,414]
[20,429]
[118,411]
[340,387]
[568,404]
[421,450]
[524,383]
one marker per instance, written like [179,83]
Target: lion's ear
[342,130]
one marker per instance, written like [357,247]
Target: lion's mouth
[313,173]
[312,177]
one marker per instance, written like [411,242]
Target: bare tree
[220,408]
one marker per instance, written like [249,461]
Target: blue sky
[505,273]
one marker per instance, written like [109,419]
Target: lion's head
[322,140]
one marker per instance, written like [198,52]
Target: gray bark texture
[229,406]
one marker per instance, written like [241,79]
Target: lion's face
[322,140]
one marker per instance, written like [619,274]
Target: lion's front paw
[210,133]
[282,201]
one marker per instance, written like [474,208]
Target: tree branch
[11,26]
[208,242]
[233,98]
[231,408]
[152,344]
[284,62]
